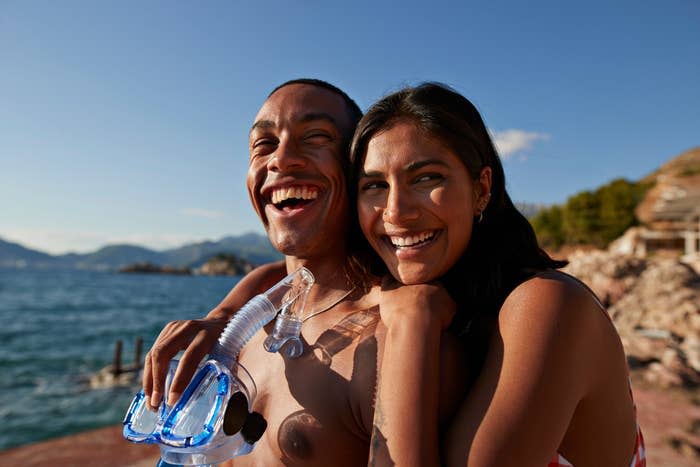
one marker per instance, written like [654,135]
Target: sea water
[57,328]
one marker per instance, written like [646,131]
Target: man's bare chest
[319,404]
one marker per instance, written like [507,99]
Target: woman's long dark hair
[503,250]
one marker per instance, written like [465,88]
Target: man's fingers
[197,336]
[147,378]
[189,361]
[164,349]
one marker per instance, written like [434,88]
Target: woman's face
[416,202]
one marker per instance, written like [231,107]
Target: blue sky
[127,121]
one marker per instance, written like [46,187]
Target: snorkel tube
[212,421]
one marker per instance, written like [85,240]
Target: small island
[225,264]
[150,268]
[221,264]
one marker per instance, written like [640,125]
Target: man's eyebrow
[306,118]
[410,167]
[262,124]
[313,116]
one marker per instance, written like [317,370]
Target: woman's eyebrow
[371,174]
[415,165]
[410,167]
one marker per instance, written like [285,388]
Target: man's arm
[197,336]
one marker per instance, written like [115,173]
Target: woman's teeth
[283,194]
[411,240]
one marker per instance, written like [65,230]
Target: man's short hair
[354,111]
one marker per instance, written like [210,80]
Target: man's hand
[196,337]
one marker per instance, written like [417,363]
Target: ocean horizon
[60,327]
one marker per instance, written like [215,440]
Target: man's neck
[329,273]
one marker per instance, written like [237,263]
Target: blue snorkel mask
[212,421]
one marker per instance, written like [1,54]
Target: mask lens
[193,420]
[140,422]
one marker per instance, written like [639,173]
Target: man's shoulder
[266,275]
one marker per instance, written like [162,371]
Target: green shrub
[596,218]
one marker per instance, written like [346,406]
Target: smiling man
[318,406]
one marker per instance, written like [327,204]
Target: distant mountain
[116,256]
[15,255]
[252,247]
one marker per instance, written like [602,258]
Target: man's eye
[317,137]
[263,142]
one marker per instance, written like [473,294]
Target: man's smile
[290,198]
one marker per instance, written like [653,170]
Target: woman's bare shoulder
[550,292]
[555,307]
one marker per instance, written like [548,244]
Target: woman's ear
[483,190]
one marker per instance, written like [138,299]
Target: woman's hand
[405,426]
[420,304]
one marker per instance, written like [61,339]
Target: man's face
[295,179]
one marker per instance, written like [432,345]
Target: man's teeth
[403,242]
[296,192]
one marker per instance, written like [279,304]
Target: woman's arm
[540,365]
[406,420]
[197,336]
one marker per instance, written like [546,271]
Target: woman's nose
[400,208]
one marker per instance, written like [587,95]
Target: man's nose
[400,207]
[287,156]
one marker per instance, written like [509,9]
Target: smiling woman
[547,379]
[408,190]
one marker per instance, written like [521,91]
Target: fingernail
[155,399]
[172,398]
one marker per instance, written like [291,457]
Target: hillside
[661,200]
[253,248]
[15,255]
[675,183]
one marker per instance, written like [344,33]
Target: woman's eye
[372,186]
[429,178]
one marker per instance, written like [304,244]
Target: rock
[655,305]
[225,265]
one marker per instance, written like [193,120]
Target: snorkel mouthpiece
[212,421]
[287,329]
